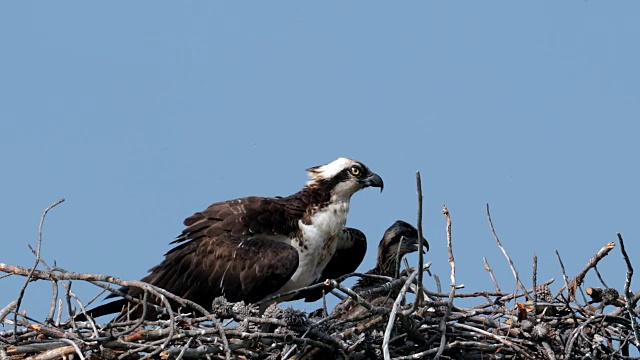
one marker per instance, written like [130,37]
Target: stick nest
[399,320]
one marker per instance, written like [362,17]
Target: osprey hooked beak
[412,243]
[373,180]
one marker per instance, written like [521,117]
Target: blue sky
[141,114]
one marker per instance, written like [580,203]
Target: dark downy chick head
[400,235]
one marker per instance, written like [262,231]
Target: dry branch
[591,264]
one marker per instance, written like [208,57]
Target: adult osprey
[253,247]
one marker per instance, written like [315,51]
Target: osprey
[250,248]
[400,239]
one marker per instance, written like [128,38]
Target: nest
[405,321]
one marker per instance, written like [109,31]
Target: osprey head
[400,235]
[343,177]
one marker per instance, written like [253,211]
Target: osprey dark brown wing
[204,269]
[350,252]
[226,250]
[238,270]
[248,216]
[229,239]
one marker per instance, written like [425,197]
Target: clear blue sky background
[141,113]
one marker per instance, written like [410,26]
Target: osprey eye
[355,171]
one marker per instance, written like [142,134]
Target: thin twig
[394,311]
[420,242]
[535,284]
[493,277]
[595,268]
[184,349]
[54,286]
[452,264]
[577,281]
[54,298]
[7,309]
[564,276]
[627,294]
[56,353]
[172,321]
[75,347]
[569,289]
[504,252]
[357,298]
[321,284]
[59,316]
[548,351]
[140,320]
[508,343]
[573,336]
[91,322]
[35,264]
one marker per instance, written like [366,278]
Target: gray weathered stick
[452,265]
[504,252]
[627,294]
[35,264]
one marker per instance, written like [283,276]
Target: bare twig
[627,294]
[56,353]
[184,349]
[35,264]
[574,335]
[357,298]
[321,284]
[508,343]
[595,268]
[93,324]
[59,316]
[452,265]
[75,347]
[504,252]
[535,285]
[54,298]
[172,321]
[564,277]
[7,309]
[394,311]
[54,285]
[490,271]
[577,281]
[420,243]
[548,350]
